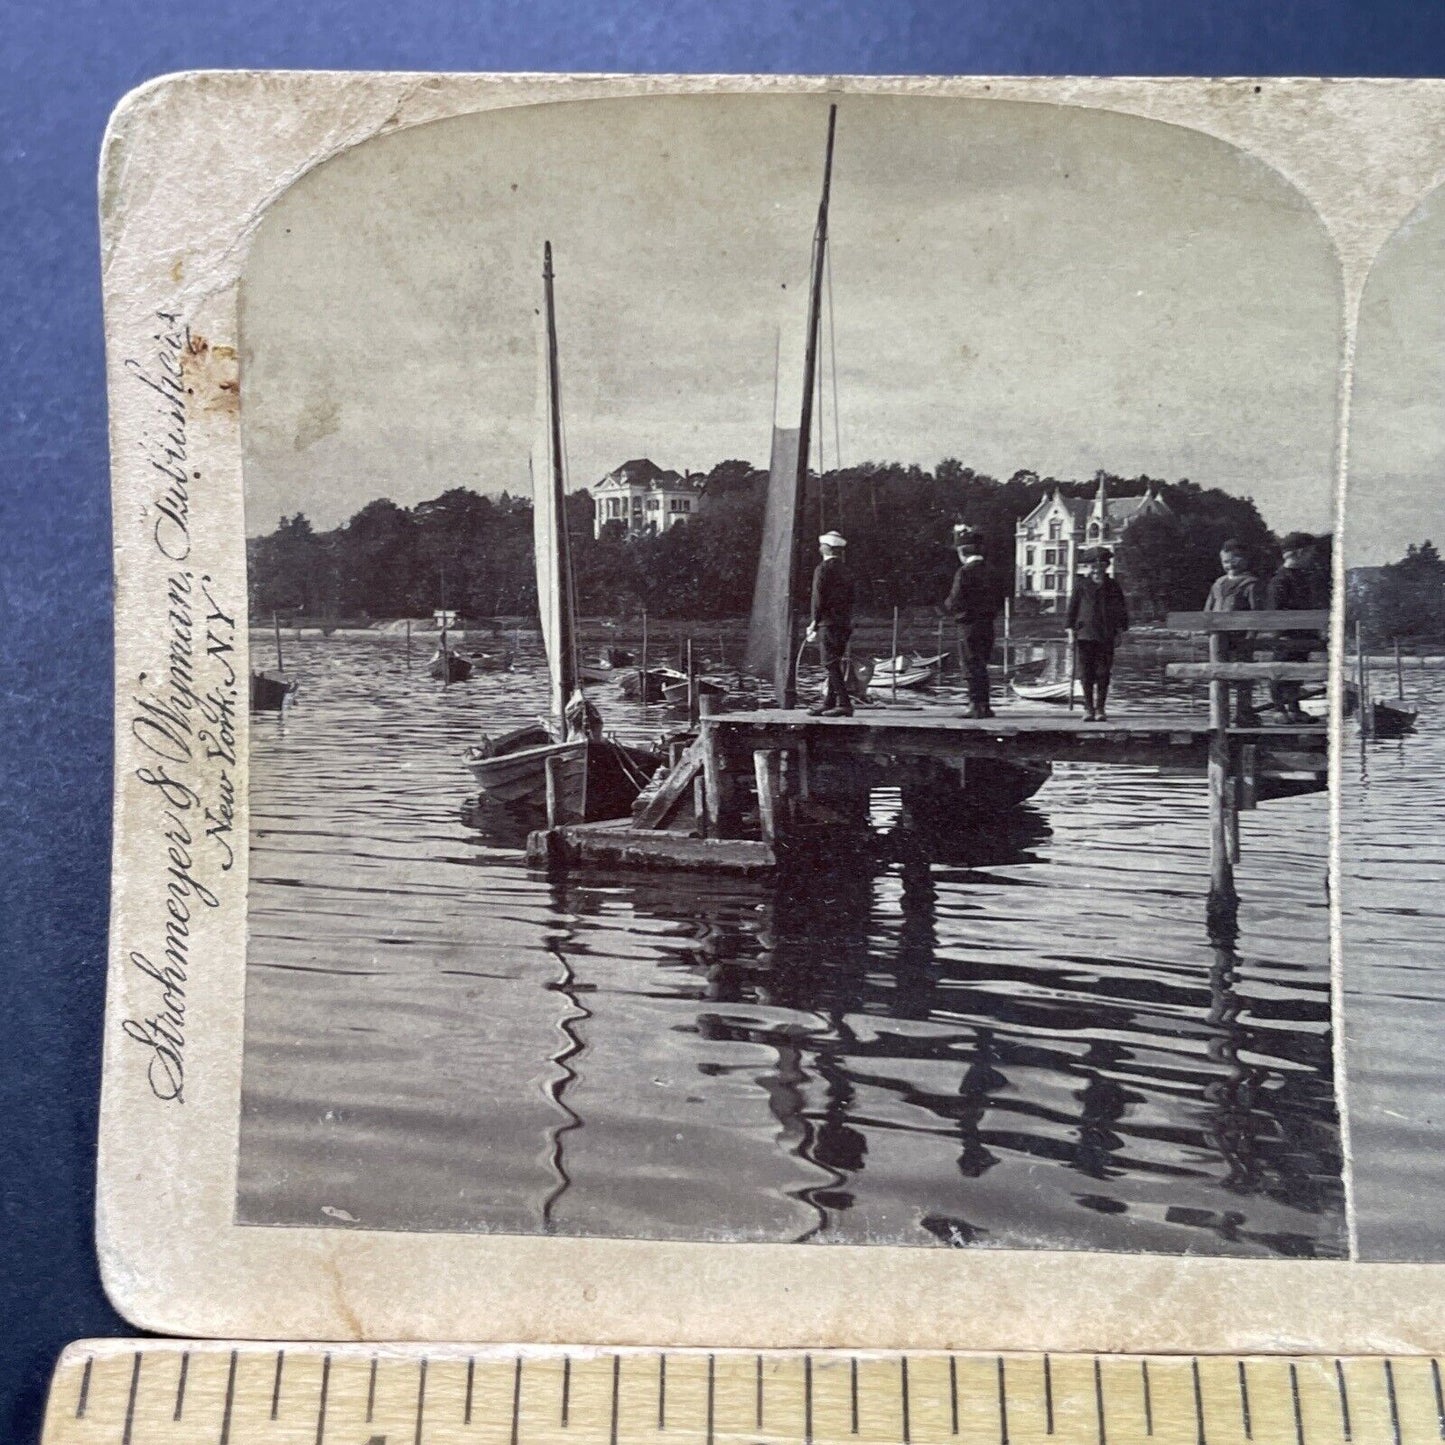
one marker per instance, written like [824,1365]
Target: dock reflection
[1142,1094]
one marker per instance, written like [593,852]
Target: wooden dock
[748,791]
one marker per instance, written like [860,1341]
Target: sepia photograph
[1392,750]
[788,699]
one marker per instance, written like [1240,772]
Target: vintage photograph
[772,717]
[1390,795]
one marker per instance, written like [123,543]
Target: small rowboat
[593,778]
[270,692]
[912,678]
[630,682]
[1057,693]
[675,693]
[448,665]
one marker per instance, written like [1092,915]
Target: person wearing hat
[974,603]
[831,624]
[1098,617]
[1293,588]
[1237,590]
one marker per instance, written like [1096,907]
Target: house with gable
[646,498]
[1050,542]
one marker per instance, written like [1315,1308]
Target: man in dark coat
[831,624]
[1294,588]
[973,601]
[1098,617]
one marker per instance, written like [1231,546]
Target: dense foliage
[473,553]
[1403,600]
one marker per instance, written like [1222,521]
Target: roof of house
[643,472]
[1119,510]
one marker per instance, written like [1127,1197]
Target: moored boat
[270,692]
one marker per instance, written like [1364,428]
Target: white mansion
[645,498]
[1048,543]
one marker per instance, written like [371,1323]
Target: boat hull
[270,693]
[1056,693]
[593,779]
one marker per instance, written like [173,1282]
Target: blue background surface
[62,68]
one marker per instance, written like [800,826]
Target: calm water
[1029,1042]
[1393,865]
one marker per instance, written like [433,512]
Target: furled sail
[770,628]
[549,512]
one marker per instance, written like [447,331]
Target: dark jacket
[1235,594]
[1294,589]
[832,594]
[1097,610]
[972,599]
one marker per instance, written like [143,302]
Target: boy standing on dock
[972,601]
[1098,617]
[1293,588]
[831,624]
[1238,590]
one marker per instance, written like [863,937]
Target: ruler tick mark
[807,1400]
[1198,1403]
[1002,1405]
[616,1391]
[84,1387]
[471,1381]
[1048,1397]
[1394,1404]
[371,1392]
[420,1400]
[230,1401]
[276,1383]
[517,1400]
[852,1391]
[662,1392]
[953,1389]
[130,1403]
[1099,1402]
[903,1392]
[1299,1422]
[566,1387]
[181,1384]
[1148,1398]
[758,1387]
[1244,1403]
[1344,1399]
[321,1406]
[711,1395]
[1439,1396]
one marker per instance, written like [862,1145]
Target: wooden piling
[895,655]
[408,644]
[1223,906]
[642,672]
[276,624]
[763,763]
[554,791]
[1399,673]
[712,774]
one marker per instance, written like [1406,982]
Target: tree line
[1402,600]
[473,553]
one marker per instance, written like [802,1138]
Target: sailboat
[774,643]
[562,762]
[271,691]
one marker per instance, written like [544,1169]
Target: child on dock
[1098,618]
[1238,590]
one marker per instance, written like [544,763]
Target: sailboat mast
[805,424]
[564,665]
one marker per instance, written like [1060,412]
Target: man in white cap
[830,623]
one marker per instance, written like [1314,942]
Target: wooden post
[1007,632]
[276,624]
[938,648]
[894,660]
[1399,673]
[642,671]
[691,687]
[767,795]
[1362,671]
[712,776]
[554,790]
[408,644]
[1222,909]
[699,806]
[803,785]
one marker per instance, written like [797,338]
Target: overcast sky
[1397,430]
[1014,285]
